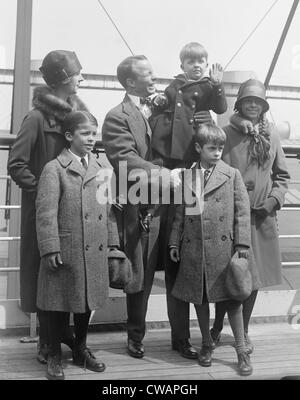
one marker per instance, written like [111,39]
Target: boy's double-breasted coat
[71,221]
[39,141]
[262,182]
[207,239]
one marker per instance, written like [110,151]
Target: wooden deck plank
[277,353]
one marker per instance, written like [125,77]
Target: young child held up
[189,93]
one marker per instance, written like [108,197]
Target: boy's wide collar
[221,167]
[182,78]
[66,160]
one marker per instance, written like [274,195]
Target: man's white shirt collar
[135,99]
[207,169]
[144,109]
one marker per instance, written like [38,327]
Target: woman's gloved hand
[175,254]
[243,251]
[267,207]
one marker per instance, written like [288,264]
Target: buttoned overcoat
[207,239]
[173,128]
[70,220]
[39,141]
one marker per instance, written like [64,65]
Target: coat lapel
[218,177]
[140,122]
[68,161]
[193,190]
[93,168]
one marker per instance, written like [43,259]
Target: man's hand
[53,261]
[216,73]
[160,100]
[175,177]
[243,251]
[266,208]
[202,117]
[174,254]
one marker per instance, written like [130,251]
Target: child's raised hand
[174,254]
[216,73]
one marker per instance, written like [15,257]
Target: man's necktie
[84,163]
[206,176]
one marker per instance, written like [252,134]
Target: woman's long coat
[207,239]
[39,141]
[71,221]
[271,180]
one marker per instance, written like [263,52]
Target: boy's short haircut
[193,51]
[74,118]
[125,68]
[209,133]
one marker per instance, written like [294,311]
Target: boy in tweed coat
[74,232]
[204,243]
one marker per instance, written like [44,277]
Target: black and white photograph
[149,193]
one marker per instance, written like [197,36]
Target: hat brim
[266,105]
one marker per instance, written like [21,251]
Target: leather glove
[266,208]
[175,254]
[203,117]
[160,100]
[243,251]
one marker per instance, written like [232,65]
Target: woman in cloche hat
[40,140]
[253,147]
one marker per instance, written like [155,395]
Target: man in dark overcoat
[127,138]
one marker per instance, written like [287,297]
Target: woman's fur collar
[47,102]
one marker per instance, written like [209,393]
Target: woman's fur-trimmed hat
[252,88]
[59,65]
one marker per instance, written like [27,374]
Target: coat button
[218,199]
[86,216]
[221,218]
[193,106]
[191,121]
[180,91]
[101,247]
[100,217]
[196,94]
[191,220]
[178,104]
[87,247]
[223,238]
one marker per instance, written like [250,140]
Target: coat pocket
[65,239]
